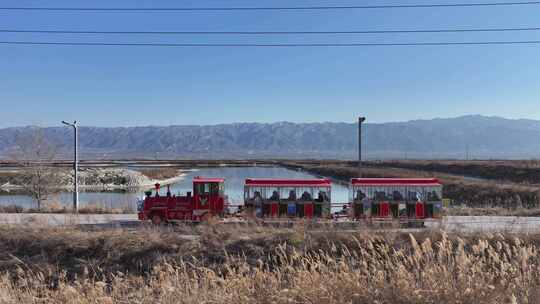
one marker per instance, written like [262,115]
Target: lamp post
[360,121]
[75,168]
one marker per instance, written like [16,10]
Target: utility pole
[360,121]
[75,167]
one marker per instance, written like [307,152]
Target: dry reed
[262,265]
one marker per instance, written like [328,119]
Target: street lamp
[75,168]
[360,121]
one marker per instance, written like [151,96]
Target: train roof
[199,179]
[288,182]
[395,182]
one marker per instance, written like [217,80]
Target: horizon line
[275,122]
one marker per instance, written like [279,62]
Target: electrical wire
[282,8]
[33,31]
[272,45]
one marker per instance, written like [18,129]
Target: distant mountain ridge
[474,136]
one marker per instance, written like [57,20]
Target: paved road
[451,223]
[491,224]
[120,220]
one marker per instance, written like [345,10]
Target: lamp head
[74,124]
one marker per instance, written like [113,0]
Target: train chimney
[157,188]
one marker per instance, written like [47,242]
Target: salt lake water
[234,188]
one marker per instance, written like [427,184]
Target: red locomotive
[207,200]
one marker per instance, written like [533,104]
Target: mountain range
[471,136]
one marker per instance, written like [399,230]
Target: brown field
[262,265]
[516,171]
[474,193]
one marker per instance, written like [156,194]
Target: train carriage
[288,198]
[409,201]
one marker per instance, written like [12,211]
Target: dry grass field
[264,265]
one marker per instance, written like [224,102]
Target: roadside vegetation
[226,264]
[60,209]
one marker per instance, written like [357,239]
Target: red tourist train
[370,200]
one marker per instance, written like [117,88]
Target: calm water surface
[234,185]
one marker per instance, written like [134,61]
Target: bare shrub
[11,209]
[34,154]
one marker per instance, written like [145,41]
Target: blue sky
[127,86]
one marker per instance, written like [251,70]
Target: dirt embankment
[101,179]
[523,171]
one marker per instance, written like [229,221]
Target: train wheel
[157,220]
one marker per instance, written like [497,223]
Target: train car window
[434,194]
[256,192]
[360,194]
[221,189]
[324,194]
[214,188]
[199,188]
[398,194]
[306,193]
[246,193]
[416,194]
[380,194]
[288,193]
[272,193]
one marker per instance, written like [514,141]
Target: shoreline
[9,188]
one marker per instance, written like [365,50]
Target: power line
[271,45]
[282,8]
[272,32]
